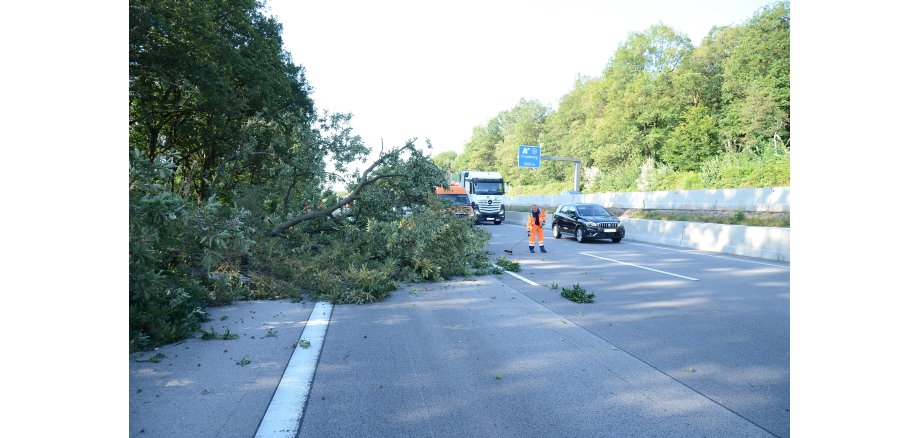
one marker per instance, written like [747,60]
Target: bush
[622,178]
[173,245]
[687,180]
[747,169]
[650,174]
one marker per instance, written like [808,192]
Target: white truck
[487,194]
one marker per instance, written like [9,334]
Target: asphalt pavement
[717,323]
[677,343]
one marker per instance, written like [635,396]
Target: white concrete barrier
[661,232]
[766,199]
[763,242]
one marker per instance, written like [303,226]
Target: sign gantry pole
[529,156]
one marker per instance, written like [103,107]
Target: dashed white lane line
[282,418]
[640,267]
[707,255]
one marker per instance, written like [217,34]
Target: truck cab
[487,194]
[458,198]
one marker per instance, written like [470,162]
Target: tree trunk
[287,195]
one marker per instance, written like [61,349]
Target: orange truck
[459,199]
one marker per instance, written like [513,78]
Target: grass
[737,217]
[577,294]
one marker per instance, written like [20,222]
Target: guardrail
[762,242]
[767,199]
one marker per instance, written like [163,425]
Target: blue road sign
[529,156]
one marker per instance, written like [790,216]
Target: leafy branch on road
[508,265]
[156,358]
[212,334]
[577,294]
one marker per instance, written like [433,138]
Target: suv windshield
[489,187]
[456,199]
[592,210]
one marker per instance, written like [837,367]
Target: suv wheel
[556,233]
[580,235]
[498,221]
[616,239]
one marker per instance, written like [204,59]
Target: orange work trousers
[536,232]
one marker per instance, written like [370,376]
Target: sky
[435,70]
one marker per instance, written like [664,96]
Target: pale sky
[429,69]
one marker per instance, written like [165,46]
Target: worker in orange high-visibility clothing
[535,222]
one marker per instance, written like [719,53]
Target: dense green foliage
[577,294]
[663,115]
[225,147]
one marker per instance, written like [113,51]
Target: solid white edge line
[521,278]
[282,418]
[698,252]
[517,276]
[640,267]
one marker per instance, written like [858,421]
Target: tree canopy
[685,114]
[231,179]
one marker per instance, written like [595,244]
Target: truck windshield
[456,199]
[489,187]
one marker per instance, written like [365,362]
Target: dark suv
[587,221]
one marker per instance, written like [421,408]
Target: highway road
[677,343]
[717,323]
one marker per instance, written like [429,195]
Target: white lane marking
[282,418]
[708,255]
[518,276]
[521,278]
[637,266]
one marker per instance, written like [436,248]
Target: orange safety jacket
[534,223]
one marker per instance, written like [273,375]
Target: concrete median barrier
[763,242]
[765,199]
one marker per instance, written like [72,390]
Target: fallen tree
[364,181]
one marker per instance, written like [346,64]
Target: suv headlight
[591,224]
